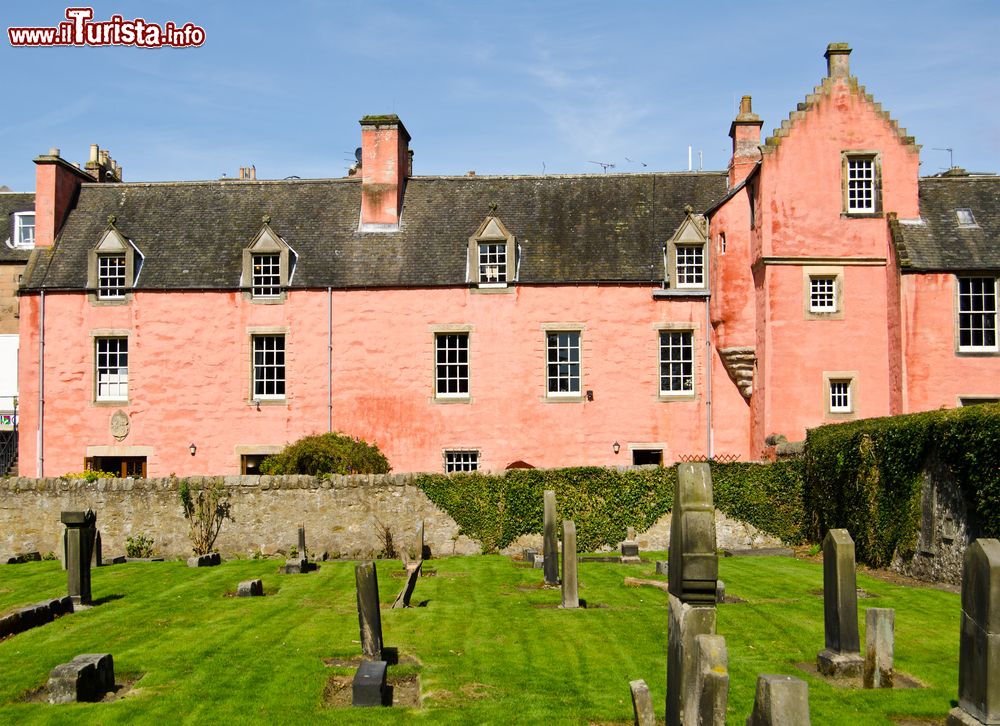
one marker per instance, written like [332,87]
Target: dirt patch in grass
[124,688]
[901,681]
[638,582]
[803,553]
[404,690]
[862,594]
[911,721]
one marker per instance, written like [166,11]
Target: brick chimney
[385,165]
[838,64]
[57,183]
[101,166]
[745,133]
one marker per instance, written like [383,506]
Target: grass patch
[487,648]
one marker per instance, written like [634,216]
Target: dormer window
[690,266]
[268,266]
[685,255]
[965,218]
[113,268]
[492,255]
[24,229]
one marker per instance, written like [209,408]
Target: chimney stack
[57,183]
[248,173]
[838,64]
[385,165]
[745,133]
[101,166]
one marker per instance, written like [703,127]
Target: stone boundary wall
[340,515]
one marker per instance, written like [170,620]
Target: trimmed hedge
[329,453]
[495,509]
[866,476]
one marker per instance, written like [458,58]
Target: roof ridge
[822,91]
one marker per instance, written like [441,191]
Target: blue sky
[495,87]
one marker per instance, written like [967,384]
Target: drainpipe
[329,359]
[41,387]
[708,380]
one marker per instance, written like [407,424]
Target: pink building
[475,322]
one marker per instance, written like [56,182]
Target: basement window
[458,461]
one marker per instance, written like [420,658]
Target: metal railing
[8,450]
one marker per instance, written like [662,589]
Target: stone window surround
[17,241]
[852,378]
[117,245]
[970,352]
[267,241]
[572,397]
[695,330]
[449,329]
[973,399]
[472,257]
[660,446]
[251,333]
[876,157]
[461,450]
[827,271]
[100,333]
[242,450]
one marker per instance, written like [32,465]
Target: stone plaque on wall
[119,424]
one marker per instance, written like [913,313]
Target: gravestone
[96,555]
[720,591]
[879,626]
[686,623]
[842,655]
[529,555]
[780,701]
[85,678]
[693,564]
[551,561]
[423,549]
[369,616]
[570,593]
[630,548]
[302,543]
[979,644]
[642,704]
[710,696]
[250,588]
[662,567]
[79,534]
[538,563]
[369,685]
[412,575]
[212,559]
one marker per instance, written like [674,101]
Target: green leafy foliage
[206,510]
[495,509]
[90,475]
[139,546]
[330,453]
[866,476]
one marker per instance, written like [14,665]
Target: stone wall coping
[262,481]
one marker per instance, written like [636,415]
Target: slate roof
[589,228]
[11,202]
[937,242]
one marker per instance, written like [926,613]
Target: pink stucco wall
[189,377]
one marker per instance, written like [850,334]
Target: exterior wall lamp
[616,447]
[192,448]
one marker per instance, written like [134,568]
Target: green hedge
[329,453]
[866,476]
[495,509]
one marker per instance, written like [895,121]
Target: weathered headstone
[630,548]
[250,588]
[302,543]
[686,623]
[212,559]
[879,626]
[842,655]
[720,591]
[642,704]
[710,695]
[780,701]
[412,575]
[529,555]
[551,562]
[693,561]
[423,550]
[539,562]
[570,593]
[85,678]
[662,567]
[96,554]
[79,536]
[979,646]
[369,616]
[369,685]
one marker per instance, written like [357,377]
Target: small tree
[330,453]
[206,510]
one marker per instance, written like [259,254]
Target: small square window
[690,266]
[461,461]
[266,275]
[24,229]
[451,369]
[965,218]
[840,396]
[563,367]
[268,366]
[112,369]
[823,294]
[861,183]
[110,277]
[493,262]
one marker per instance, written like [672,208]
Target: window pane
[690,266]
[461,461]
[822,294]
[840,396]
[977,313]
[269,366]
[676,362]
[110,276]
[492,262]
[861,185]
[112,369]
[452,369]
[266,275]
[563,369]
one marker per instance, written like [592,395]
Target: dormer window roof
[268,266]
[685,256]
[113,267]
[492,255]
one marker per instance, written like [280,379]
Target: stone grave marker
[250,588]
[212,559]
[79,537]
[879,627]
[85,678]
[662,567]
[538,563]
[550,552]
[780,701]
[630,548]
[96,554]
[302,543]
[369,685]
[693,563]
[570,591]
[423,550]
[842,655]
[979,644]
[412,575]
[706,703]
[529,555]
[686,623]
[369,616]
[642,704]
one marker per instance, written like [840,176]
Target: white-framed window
[493,262]
[690,265]
[463,460]
[977,314]
[822,294]
[563,363]
[862,183]
[111,277]
[24,229]
[965,218]
[676,362]
[111,358]
[451,367]
[266,275]
[840,395]
[268,366]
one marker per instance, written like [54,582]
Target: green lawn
[490,646]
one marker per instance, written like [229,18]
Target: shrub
[139,546]
[90,475]
[206,510]
[330,453]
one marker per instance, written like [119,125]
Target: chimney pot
[54,151]
[94,151]
[838,64]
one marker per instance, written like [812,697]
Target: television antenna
[604,165]
[951,155]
